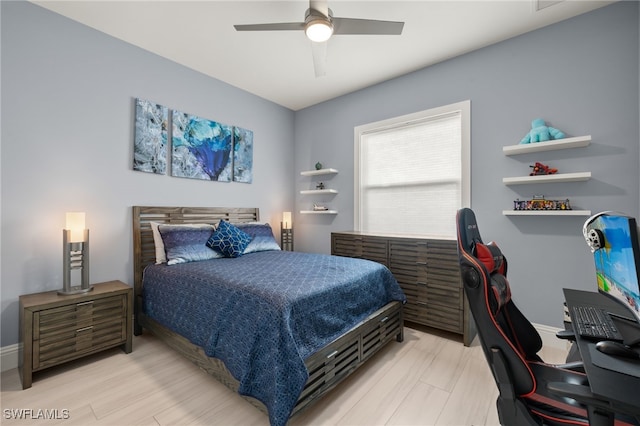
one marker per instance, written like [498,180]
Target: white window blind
[411,178]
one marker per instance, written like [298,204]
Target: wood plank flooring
[429,379]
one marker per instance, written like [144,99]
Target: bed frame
[327,367]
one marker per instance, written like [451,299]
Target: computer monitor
[613,239]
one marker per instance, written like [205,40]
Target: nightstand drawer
[69,331]
[50,322]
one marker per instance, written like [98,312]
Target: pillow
[491,256]
[184,244]
[161,256]
[228,240]
[261,237]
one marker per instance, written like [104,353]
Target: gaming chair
[531,392]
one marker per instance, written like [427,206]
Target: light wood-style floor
[429,379]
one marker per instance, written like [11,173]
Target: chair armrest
[600,411]
[573,366]
[580,393]
[566,335]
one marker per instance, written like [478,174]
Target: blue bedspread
[264,313]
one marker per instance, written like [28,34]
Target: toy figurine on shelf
[320,185]
[319,208]
[538,202]
[540,132]
[541,169]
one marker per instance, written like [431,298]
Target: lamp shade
[76,224]
[286,220]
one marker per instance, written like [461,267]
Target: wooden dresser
[55,328]
[428,271]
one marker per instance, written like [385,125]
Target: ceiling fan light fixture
[318,30]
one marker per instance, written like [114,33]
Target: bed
[309,364]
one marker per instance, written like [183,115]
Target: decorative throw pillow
[262,238]
[229,240]
[161,256]
[184,244]
[491,256]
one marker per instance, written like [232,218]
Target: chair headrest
[491,257]
[468,233]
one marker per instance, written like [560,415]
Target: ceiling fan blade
[366,26]
[282,26]
[319,52]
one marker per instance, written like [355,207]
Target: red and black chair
[531,392]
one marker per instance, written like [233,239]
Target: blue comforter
[264,313]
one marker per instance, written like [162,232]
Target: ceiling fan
[320,24]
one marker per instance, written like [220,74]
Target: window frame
[464,107]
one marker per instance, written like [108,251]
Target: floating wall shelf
[319,172]
[566,143]
[546,212]
[318,212]
[318,191]
[560,177]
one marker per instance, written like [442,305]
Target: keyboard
[594,323]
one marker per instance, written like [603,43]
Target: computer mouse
[616,349]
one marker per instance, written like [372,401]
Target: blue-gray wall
[67,137]
[67,141]
[581,75]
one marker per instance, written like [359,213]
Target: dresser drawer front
[345,246]
[434,295]
[369,248]
[434,316]
[405,254]
[70,331]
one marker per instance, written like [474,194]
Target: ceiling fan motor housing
[317,26]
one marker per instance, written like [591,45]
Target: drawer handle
[385,319]
[332,354]
[421,283]
[421,263]
[90,302]
[80,330]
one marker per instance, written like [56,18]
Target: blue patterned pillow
[184,244]
[229,240]
[261,237]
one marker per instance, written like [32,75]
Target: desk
[622,390]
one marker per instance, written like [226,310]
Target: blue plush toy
[540,132]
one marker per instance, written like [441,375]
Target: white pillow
[161,255]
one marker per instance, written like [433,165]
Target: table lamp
[286,232]
[75,254]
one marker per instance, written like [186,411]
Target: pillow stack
[184,243]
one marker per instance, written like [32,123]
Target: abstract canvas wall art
[201,148]
[242,155]
[150,140]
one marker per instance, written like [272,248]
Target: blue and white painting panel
[150,140]
[242,155]
[201,148]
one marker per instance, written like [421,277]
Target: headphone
[595,237]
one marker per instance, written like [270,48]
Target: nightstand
[55,329]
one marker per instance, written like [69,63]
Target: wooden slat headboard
[143,246]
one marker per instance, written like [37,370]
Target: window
[412,173]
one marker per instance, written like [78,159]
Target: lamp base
[74,290]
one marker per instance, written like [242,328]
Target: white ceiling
[278,66]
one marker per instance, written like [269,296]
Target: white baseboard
[9,357]
[548,335]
